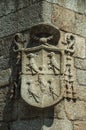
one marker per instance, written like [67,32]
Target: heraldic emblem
[41,66]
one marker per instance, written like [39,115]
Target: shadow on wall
[17,114]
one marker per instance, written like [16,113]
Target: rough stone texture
[81,77]
[13,5]
[80,63]
[5,77]
[4,126]
[10,112]
[68,20]
[27,112]
[80,24]
[47,124]
[82,93]
[10,6]
[55,124]
[63,18]
[75,111]
[4,63]
[6,47]
[3,99]
[76,5]
[80,45]
[25,18]
[34,124]
[59,111]
[80,125]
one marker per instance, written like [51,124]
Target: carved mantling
[69,72]
[45,73]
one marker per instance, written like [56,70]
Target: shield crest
[41,74]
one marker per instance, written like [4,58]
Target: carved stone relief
[70,88]
[46,75]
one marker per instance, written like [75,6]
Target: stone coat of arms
[41,67]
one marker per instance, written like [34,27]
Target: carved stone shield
[41,76]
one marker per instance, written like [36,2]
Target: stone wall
[18,16]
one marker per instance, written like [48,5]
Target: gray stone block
[82,92]
[3,95]
[80,25]
[25,18]
[75,111]
[10,111]
[50,124]
[2,8]
[4,77]
[63,18]
[4,63]
[34,124]
[80,47]
[29,16]
[75,5]
[14,5]
[80,63]
[80,125]
[8,25]
[81,77]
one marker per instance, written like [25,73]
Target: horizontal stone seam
[19,9]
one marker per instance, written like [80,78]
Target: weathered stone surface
[4,63]
[41,13]
[10,112]
[4,126]
[80,24]
[50,124]
[80,125]
[68,20]
[79,46]
[34,124]
[27,112]
[5,45]
[3,100]
[2,8]
[46,13]
[75,111]
[82,93]
[81,77]
[59,111]
[35,16]
[8,109]
[25,18]
[63,18]
[4,77]
[13,5]
[10,6]
[76,5]
[47,124]
[8,24]
[80,63]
